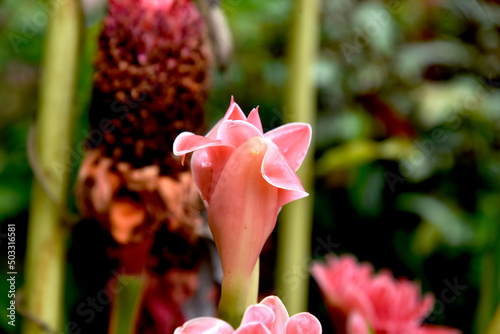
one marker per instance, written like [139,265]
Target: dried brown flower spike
[151,81]
[133,202]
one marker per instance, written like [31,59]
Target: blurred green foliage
[408,133]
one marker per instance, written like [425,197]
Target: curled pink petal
[212,134]
[234,112]
[205,325]
[303,323]
[258,313]
[188,142]
[287,196]
[207,165]
[277,171]
[280,313]
[254,119]
[236,133]
[293,140]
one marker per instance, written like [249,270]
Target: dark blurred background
[407,138]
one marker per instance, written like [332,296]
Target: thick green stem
[45,263]
[294,228]
[494,326]
[489,297]
[237,293]
[125,309]
[253,289]
[486,296]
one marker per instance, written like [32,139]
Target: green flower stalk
[45,263]
[294,229]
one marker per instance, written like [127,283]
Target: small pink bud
[268,317]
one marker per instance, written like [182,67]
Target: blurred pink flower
[358,299]
[245,177]
[268,317]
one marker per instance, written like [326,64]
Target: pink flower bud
[268,317]
[244,177]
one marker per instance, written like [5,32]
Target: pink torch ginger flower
[245,177]
[358,299]
[268,317]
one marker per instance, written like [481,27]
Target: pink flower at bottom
[268,317]
[362,302]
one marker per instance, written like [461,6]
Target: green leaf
[359,152]
[426,239]
[366,193]
[494,326]
[126,306]
[451,225]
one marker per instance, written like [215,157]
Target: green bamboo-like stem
[294,228]
[237,293]
[496,273]
[253,289]
[486,295]
[125,309]
[45,263]
[494,326]
[489,297]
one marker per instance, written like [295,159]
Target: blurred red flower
[359,300]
